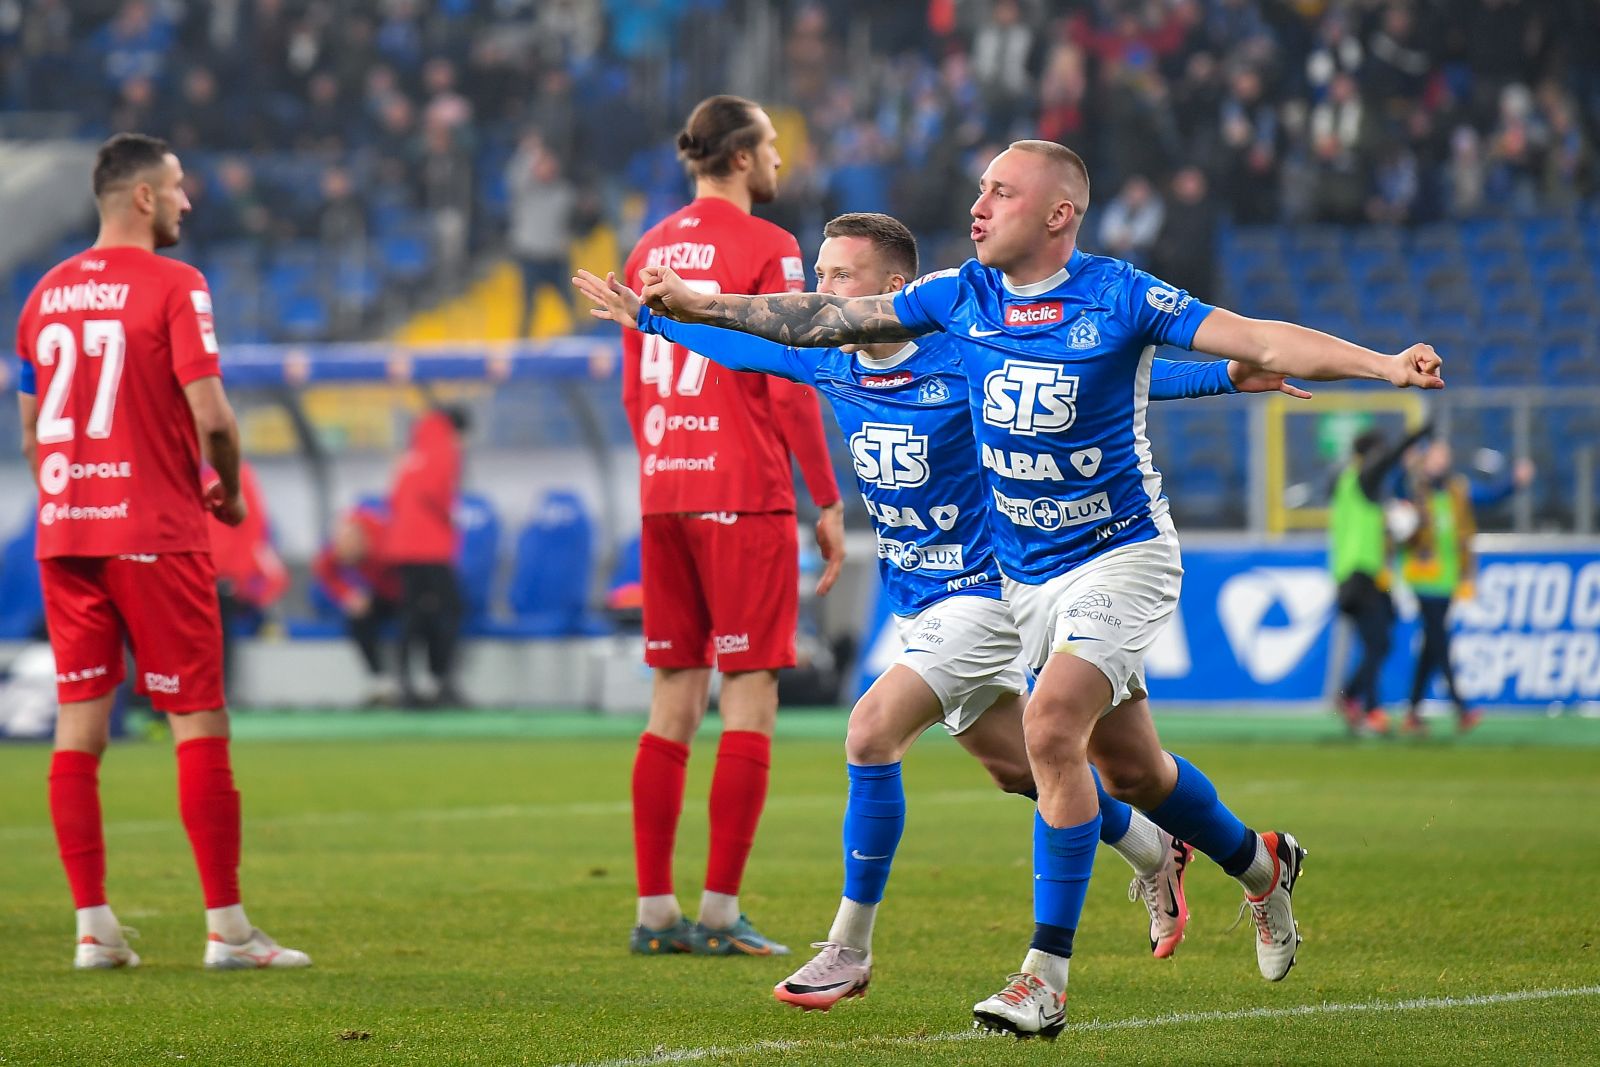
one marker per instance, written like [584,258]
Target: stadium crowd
[309,121]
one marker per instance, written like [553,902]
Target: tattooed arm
[805,320]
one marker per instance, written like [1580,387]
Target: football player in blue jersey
[1058,376]
[903,410]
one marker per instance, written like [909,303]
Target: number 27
[57,347]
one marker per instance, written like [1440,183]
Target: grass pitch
[467,898]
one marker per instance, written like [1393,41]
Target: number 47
[655,361]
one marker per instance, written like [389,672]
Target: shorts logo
[728,644]
[1034,314]
[1096,607]
[933,391]
[887,381]
[1047,513]
[162,683]
[658,646]
[84,675]
[723,518]
[910,556]
[1083,334]
[966,581]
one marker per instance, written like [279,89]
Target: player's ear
[897,282]
[1062,215]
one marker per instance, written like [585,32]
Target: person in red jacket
[353,572]
[421,546]
[719,546]
[250,573]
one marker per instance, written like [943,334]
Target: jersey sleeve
[928,303]
[27,380]
[1184,379]
[1160,313]
[783,271]
[732,349]
[192,331]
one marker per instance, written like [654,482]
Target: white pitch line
[468,814]
[1095,1026]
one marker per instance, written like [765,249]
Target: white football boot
[94,955]
[1277,934]
[258,952]
[1163,897]
[832,975]
[1026,1007]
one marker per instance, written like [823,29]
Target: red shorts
[166,607]
[720,588]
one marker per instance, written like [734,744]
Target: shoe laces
[818,966]
[1148,889]
[1260,914]
[1019,988]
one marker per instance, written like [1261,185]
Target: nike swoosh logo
[1172,910]
[1081,637]
[973,331]
[855,854]
[791,987]
[924,651]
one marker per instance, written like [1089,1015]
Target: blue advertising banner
[1258,623]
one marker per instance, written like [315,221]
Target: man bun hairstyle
[718,128]
[888,235]
[124,157]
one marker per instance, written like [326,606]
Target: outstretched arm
[807,320]
[1184,379]
[1295,351]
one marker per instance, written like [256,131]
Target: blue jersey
[905,420]
[910,435]
[1058,378]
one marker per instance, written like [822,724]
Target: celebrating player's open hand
[1248,379]
[612,300]
[830,542]
[667,294]
[1418,367]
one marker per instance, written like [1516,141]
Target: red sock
[75,810]
[210,807]
[738,793]
[658,772]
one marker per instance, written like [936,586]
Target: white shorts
[1106,611]
[967,649]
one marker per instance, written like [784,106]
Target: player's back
[113,335]
[708,439]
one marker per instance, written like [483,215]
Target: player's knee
[868,740]
[1010,775]
[1056,729]
[1130,780]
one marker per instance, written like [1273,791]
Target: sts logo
[1030,398]
[889,455]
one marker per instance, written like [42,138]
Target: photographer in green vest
[1438,563]
[1358,553]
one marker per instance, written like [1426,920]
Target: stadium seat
[549,588]
[21,601]
[406,255]
[478,556]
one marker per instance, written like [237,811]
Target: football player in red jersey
[719,547]
[120,397]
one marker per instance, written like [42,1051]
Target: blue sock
[874,818]
[1062,862]
[1114,814]
[1194,814]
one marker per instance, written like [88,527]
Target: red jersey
[712,439]
[113,335]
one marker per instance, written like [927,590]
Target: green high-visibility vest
[1437,572]
[1357,543]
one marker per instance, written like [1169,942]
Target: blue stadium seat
[549,588]
[478,555]
[21,601]
[406,255]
